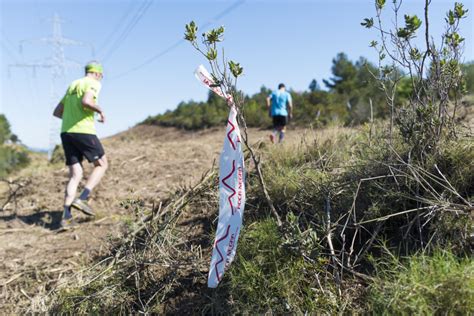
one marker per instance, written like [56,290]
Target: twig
[371,130]
[383,218]
[101,220]
[452,188]
[24,293]
[13,191]
[368,243]
[132,160]
[260,175]
[13,278]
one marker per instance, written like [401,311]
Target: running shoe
[66,224]
[83,206]
[272,138]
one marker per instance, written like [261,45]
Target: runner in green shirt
[78,135]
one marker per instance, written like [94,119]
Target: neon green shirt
[77,119]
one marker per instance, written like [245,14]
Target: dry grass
[160,223]
[147,164]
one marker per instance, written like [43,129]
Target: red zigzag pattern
[230,202]
[230,132]
[220,253]
[229,198]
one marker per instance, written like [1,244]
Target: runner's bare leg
[75,176]
[100,166]
[281,134]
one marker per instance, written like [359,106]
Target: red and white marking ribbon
[231,190]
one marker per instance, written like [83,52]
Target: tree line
[351,96]
[12,156]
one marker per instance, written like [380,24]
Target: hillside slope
[146,163]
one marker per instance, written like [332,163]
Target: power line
[117,26]
[8,46]
[57,64]
[128,29]
[12,90]
[179,42]
[32,87]
[9,52]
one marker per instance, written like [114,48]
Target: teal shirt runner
[279,101]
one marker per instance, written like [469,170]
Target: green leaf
[412,24]
[403,33]
[373,44]
[454,39]
[214,35]
[459,10]
[450,19]
[415,54]
[212,54]
[191,30]
[368,23]
[380,4]
[235,69]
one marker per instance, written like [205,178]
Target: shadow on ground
[44,218]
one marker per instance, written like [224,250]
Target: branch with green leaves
[434,72]
[224,74]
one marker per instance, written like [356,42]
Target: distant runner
[280,106]
[79,139]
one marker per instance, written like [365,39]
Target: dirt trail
[146,163]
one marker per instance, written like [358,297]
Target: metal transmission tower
[58,64]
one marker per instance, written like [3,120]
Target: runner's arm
[88,102]
[269,105]
[290,108]
[58,111]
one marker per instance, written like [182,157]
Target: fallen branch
[14,188]
[132,160]
[13,278]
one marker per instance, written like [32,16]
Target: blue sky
[149,69]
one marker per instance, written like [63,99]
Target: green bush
[268,277]
[374,183]
[58,155]
[12,156]
[468,73]
[256,115]
[454,160]
[97,298]
[439,284]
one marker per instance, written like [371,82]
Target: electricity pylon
[58,65]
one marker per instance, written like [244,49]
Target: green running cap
[94,66]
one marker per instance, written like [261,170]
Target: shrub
[440,284]
[12,158]
[270,277]
[58,155]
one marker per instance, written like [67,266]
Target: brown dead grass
[146,163]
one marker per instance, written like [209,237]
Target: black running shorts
[279,121]
[77,145]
